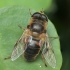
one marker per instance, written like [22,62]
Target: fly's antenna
[30,12]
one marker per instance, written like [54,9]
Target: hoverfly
[33,39]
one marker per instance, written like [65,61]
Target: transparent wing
[18,48]
[48,53]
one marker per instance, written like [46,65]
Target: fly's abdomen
[32,51]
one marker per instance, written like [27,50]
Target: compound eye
[36,15]
[44,17]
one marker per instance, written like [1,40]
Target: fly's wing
[48,53]
[18,48]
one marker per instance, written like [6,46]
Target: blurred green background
[58,12]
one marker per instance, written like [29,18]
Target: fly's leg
[30,12]
[21,27]
[44,60]
[42,11]
[52,37]
[7,58]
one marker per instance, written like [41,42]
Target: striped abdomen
[32,50]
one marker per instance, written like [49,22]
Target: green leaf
[10,17]
[33,4]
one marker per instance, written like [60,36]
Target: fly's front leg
[30,12]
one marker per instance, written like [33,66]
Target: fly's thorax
[37,26]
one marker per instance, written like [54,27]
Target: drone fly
[34,39]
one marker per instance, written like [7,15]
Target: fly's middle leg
[21,27]
[52,37]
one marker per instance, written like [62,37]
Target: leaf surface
[10,18]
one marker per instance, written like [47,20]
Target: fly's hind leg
[44,60]
[7,58]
